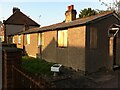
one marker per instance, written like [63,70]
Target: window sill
[19,43]
[62,46]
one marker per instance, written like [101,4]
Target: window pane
[42,39]
[62,38]
[19,39]
[38,38]
[65,38]
[28,38]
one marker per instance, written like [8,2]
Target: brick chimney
[70,14]
[15,9]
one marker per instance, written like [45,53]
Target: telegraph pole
[39,18]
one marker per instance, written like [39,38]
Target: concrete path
[102,79]
[106,79]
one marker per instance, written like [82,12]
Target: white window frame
[40,39]
[19,39]
[28,39]
[62,38]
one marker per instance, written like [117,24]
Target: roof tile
[78,21]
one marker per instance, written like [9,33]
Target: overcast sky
[44,12]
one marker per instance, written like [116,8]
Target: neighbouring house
[1,32]
[17,22]
[86,44]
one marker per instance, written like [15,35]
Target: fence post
[12,56]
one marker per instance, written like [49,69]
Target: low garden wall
[14,76]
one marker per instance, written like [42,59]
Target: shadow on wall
[70,56]
[24,53]
[74,56]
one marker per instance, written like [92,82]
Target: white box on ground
[56,68]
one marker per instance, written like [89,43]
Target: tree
[112,6]
[87,12]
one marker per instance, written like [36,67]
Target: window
[13,40]
[93,38]
[26,27]
[19,39]
[28,38]
[41,39]
[62,38]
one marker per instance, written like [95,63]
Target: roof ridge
[29,17]
[61,25]
[103,13]
[108,12]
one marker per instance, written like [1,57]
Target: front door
[111,39]
[112,49]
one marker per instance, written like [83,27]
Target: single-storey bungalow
[86,44]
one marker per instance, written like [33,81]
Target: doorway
[113,35]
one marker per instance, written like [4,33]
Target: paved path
[102,79]
[106,79]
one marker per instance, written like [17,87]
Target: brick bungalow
[86,44]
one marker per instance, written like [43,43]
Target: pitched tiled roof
[77,22]
[18,18]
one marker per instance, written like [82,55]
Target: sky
[46,12]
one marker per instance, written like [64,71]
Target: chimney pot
[71,7]
[70,13]
[4,21]
[15,9]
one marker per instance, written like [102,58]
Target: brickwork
[11,56]
[30,49]
[73,55]
[83,52]
[99,57]
[70,14]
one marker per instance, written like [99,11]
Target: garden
[36,65]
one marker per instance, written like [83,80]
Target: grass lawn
[36,66]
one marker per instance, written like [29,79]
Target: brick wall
[71,56]
[11,56]
[99,57]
